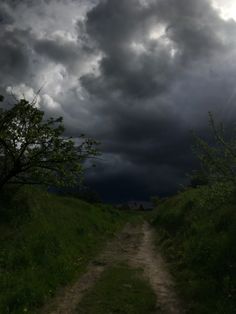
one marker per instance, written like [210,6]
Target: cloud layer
[137,75]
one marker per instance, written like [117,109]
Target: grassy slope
[120,290]
[48,242]
[198,235]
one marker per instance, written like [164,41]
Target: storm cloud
[137,75]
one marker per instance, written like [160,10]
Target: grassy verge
[47,243]
[120,290]
[197,231]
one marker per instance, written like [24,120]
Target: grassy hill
[197,231]
[45,240]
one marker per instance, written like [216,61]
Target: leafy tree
[218,160]
[33,149]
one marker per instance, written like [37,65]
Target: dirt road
[135,246]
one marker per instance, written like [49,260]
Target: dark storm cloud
[155,96]
[14,56]
[64,53]
[115,25]
[5,16]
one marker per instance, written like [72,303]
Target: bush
[198,234]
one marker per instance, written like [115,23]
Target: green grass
[119,290]
[197,230]
[45,242]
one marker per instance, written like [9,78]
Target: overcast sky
[137,75]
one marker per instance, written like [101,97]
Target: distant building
[139,205]
[135,205]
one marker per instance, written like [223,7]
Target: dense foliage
[197,229]
[198,234]
[218,159]
[34,149]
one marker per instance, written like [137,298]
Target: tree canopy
[34,150]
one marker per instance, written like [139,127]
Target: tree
[218,160]
[33,149]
